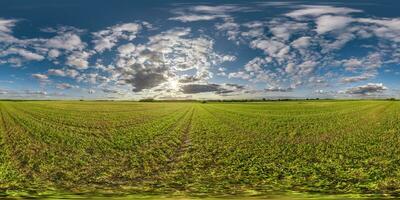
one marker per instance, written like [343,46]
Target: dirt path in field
[185,140]
[175,161]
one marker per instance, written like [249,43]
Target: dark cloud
[106,90]
[147,78]
[199,88]
[216,88]
[189,79]
[278,89]
[370,88]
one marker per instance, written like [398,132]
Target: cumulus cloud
[146,78]
[78,60]
[215,88]
[231,28]
[149,65]
[383,28]
[54,53]
[6,26]
[126,49]
[56,72]
[25,54]
[368,89]
[283,29]
[63,73]
[361,77]
[289,50]
[66,41]
[205,12]
[110,91]
[108,38]
[279,89]
[315,11]
[240,75]
[189,79]
[32,92]
[65,86]
[329,23]
[302,42]
[307,67]
[192,18]
[370,62]
[40,77]
[270,47]
[23,94]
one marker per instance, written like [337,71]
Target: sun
[173,84]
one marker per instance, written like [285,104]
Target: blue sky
[199,49]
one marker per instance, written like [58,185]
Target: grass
[192,150]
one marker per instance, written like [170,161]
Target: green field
[195,149]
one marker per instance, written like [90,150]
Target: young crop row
[213,148]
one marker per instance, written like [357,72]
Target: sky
[129,50]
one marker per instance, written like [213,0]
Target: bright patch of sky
[96,49]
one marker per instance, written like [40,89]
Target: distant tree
[146,100]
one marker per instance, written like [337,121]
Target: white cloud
[231,28]
[25,54]
[152,64]
[196,17]
[383,28]
[67,41]
[126,49]
[284,29]
[218,9]
[54,53]
[307,66]
[205,12]
[40,93]
[7,24]
[339,41]
[56,72]
[65,86]
[302,42]
[315,11]
[78,60]
[329,23]
[255,65]
[361,77]
[72,73]
[290,68]
[370,62]
[40,77]
[270,47]
[240,75]
[295,48]
[108,38]
[228,58]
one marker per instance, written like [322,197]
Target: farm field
[195,149]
